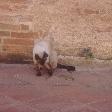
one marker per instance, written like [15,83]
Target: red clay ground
[89,89]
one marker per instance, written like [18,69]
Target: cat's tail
[69,68]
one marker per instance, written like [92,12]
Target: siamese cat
[45,56]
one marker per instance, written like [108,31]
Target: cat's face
[42,60]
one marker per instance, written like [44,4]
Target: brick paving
[88,89]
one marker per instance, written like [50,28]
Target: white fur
[45,45]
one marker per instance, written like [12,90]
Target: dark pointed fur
[69,68]
[41,60]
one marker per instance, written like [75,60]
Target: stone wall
[16,26]
[81,28]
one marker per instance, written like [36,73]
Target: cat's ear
[45,55]
[37,57]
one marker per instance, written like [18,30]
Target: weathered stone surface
[88,89]
[75,25]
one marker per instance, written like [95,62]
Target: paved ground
[89,89]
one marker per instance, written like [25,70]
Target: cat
[45,56]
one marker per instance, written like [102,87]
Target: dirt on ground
[88,89]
